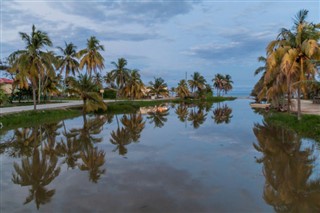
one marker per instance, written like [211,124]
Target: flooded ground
[173,158]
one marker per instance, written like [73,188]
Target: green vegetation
[308,126]
[29,118]
[3,97]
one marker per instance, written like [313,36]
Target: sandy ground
[307,107]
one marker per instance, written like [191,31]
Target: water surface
[174,158]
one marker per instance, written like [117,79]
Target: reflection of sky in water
[175,168]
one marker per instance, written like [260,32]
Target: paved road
[7,110]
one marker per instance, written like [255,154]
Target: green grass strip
[308,126]
[30,118]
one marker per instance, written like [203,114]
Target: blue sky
[161,38]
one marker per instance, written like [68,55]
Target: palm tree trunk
[289,94]
[299,103]
[34,98]
[84,110]
[299,91]
[39,89]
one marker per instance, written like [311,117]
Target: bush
[109,94]
[3,97]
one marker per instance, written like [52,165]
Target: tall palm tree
[91,58]
[87,90]
[33,62]
[108,78]
[262,69]
[227,84]
[120,74]
[97,80]
[68,61]
[182,89]
[134,85]
[52,85]
[218,83]
[159,87]
[197,82]
[299,49]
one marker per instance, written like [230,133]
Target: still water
[174,158]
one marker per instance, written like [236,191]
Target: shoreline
[29,117]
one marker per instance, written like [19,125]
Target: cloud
[231,47]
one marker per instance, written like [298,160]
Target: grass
[308,126]
[29,118]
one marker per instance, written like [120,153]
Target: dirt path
[307,107]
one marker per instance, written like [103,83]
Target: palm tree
[298,50]
[259,85]
[134,85]
[158,87]
[218,83]
[227,84]
[108,78]
[182,89]
[197,82]
[120,74]
[68,62]
[91,58]
[51,86]
[33,62]
[97,80]
[86,89]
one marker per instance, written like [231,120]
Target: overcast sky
[161,38]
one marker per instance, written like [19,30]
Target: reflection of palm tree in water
[81,142]
[121,138]
[92,160]
[36,146]
[23,142]
[134,124]
[86,135]
[37,171]
[222,114]
[197,117]
[287,168]
[182,112]
[158,116]
[131,130]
